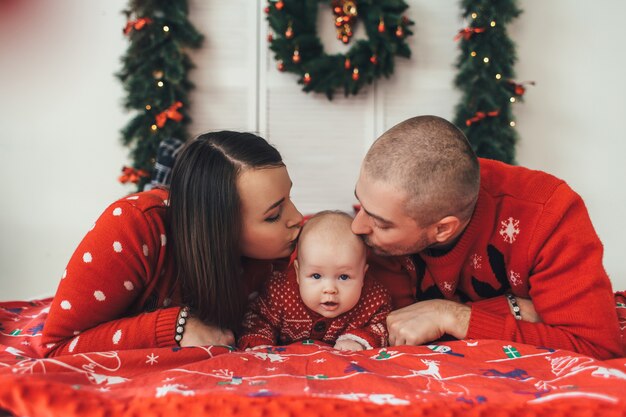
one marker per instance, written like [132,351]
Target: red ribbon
[519,89]
[170,113]
[468,32]
[136,24]
[132,175]
[480,115]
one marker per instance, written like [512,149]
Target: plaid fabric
[166,155]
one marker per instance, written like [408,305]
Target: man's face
[383,222]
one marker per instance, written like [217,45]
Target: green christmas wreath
[298,49]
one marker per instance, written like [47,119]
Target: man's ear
[446,229]
[297,268]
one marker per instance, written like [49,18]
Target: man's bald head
[431,160]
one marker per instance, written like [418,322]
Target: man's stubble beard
[419,246]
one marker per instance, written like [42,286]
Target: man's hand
[199,334]
[426,321]
[527,309]
[350,345]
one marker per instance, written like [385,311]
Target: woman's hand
[199,334]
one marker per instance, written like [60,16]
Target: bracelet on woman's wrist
[514,306]
[180,324]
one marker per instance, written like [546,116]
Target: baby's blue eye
[316,276]
[344,277]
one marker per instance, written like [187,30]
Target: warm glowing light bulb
[148,107]
[498,76]
[160,83]
[474,15]
[485,60]
[166,28]
[154,127]
[473,53]
[512,124]
[512,99]
[493,23]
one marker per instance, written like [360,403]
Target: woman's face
[271,223]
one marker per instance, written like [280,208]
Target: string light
[148,107]
[485,60]
[493,23]
[498,76]
[160,83]
[154,128]
[473,53]
[512,124]
[512,99]
[166,28]
[474,15]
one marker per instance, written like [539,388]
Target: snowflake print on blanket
[509,230]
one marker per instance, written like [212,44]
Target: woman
[161,268]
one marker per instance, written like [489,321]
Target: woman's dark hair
[205,221]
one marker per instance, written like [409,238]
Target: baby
[324,294]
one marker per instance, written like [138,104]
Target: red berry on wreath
[355,74]
[280,5]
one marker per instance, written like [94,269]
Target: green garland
[154,75]
[298,49]
[485,78]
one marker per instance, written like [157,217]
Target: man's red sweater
[530,235]
[119,288]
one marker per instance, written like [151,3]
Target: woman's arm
[114,274]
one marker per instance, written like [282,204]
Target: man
[471,239]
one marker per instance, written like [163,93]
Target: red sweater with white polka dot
[118,290]
[530,235]
[278,315]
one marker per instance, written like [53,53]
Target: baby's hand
[350,345]
[258,347]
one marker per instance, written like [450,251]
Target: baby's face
[331,276]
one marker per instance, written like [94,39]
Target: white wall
[60,109]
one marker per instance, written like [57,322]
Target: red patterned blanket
[481,377]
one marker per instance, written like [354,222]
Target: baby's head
[331,264]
